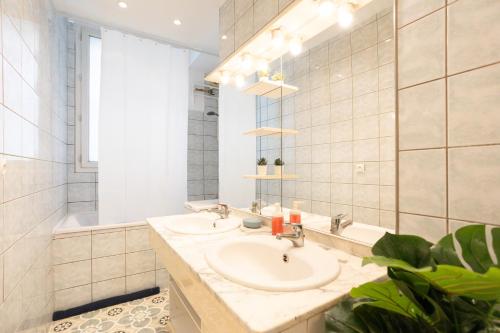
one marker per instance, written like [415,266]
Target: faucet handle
[339,217]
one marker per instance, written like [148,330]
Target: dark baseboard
[58,315]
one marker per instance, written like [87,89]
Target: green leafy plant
[262,161]
[431,287]
[279,162]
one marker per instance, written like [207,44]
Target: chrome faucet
[222,210]
[338,223]
[296,237]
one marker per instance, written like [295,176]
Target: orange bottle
[277,220]
[295,215]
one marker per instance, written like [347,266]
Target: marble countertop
[258,310]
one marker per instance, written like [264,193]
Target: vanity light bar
[298,23]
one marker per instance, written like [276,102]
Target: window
[88,86]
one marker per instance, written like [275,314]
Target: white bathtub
[85,221]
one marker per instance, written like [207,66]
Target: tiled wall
[203,153]
[82,186]
[33,157]
[98,264]
[344,111]
[449,114]
[239,20]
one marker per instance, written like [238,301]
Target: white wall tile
[422,116]
[109,288]
[141,281]
[474,184]
[473,101]
[108,244]
[421,50]
[71,249]
[429,228]
[70,298]
[473,39]
[139,262]
[138,240]
[416,169]
[108,268]
[411,10]
[73,274]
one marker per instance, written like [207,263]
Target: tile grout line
[447,194]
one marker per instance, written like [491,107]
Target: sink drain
[285,258]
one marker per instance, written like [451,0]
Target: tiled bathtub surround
[32,158]
[344,111]
[203,153]
[82,186]
[97,264]
[449,141]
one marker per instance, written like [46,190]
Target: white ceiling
[200,19]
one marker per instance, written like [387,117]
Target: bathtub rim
[57,230]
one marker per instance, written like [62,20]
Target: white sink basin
[263,262]
[201,224]
[360,232]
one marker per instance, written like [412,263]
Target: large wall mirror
[337,143]
[325,135]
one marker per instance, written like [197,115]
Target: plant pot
[262,170]
[278,170]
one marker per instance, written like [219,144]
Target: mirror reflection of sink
[365,233]
[201,224]
[263,262]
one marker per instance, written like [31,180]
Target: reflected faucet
[339,223]
[222,210]
[296,237]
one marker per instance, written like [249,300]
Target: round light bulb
[224,78]
[177,22]
[344,15]
[295,46]
[246,62]
[224,37]
[326,8]
[122,4]
[262,65]
[239,80]
[278,38]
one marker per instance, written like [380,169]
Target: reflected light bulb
[262,65]
[246,62]
[239,80]
[224,78]
[295,46]
[326,8]
[278,38]
[344,16]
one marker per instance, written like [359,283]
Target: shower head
[212,113]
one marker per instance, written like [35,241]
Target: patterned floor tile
[145,315]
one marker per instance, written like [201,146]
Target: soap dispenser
[295,214]
[277,220]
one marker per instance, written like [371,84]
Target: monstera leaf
[452,280]
[412,249]
[453,286]
[386,295]
[479,251]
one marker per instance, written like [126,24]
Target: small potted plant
[262,166]
[278,166]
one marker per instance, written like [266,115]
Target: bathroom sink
[263,262]
[365,233]
[201,224]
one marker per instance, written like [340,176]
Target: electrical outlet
[360,168]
